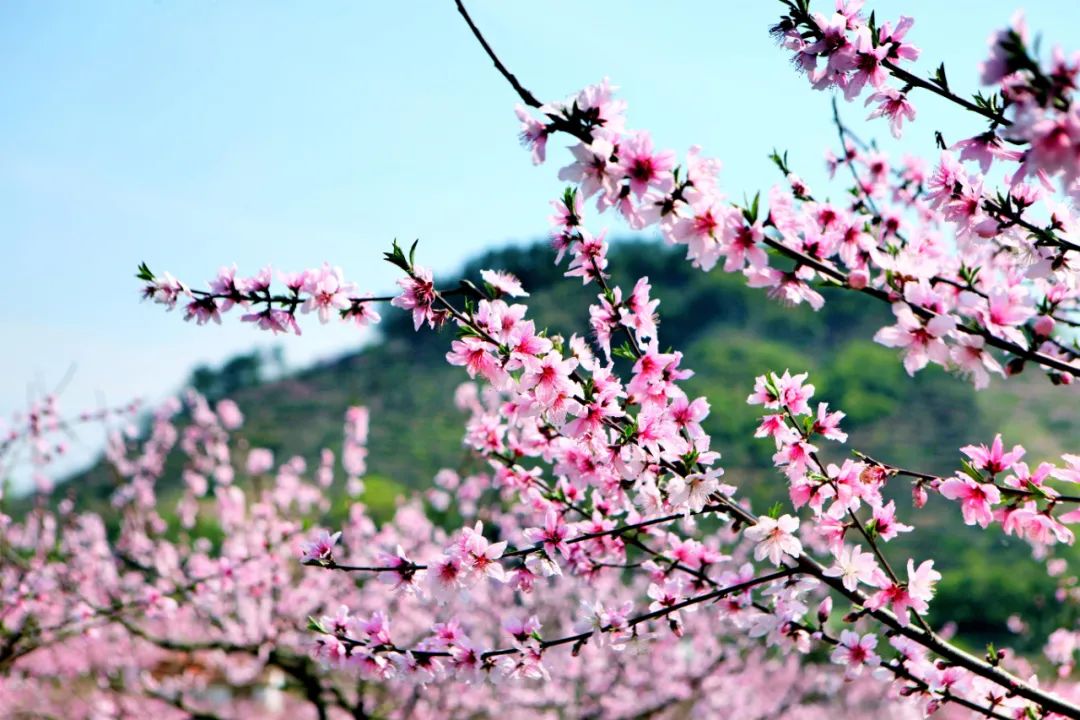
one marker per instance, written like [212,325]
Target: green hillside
[729,334]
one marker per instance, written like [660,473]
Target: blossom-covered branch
[587,456]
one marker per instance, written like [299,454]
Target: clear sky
[194,134]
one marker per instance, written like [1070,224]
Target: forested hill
[728,333]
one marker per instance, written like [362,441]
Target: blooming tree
[606,564]
[196,606]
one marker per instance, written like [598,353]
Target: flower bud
[919,496]
[1044,326]
[824,610]
[858,279]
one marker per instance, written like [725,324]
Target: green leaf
[971,472]
[470,290]
[780,161]
[397,257]
[940,78]
[145,273]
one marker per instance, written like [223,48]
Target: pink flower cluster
[836,495]
[322,291]
[953,303]
[595,519]
[219,596]
[42,434]
[631,457]
[1038,98]
[997,486]
[845,50]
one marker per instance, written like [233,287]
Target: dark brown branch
[808,565]
[520,552]
[842,279]
[584,636]
[900,74]
[526,97]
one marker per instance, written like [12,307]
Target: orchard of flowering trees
[601,563]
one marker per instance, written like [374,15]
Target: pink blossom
[644,167]
[504,282]
[894,105]
[165,290]
[405,573]
[321,548]
[692,492]
[997,66]
[202,311]
[259,461]
[785,287]
[534,134]
[1071,471]
[638,312]
[855,653]
[993,459]
[886,525]
[476,355]
[854,566]
[973,359]
[976,499]
[704,229]
[229,414]
[593,168]
[667,595]
[827,424]
[1006,309]
[419,296]
[915,594]
[328,292]
[549,377]
[775,538]
[446,575]
[984,149]
[589,257]
[482,556]
[552,536]
[362,312]
[276,321]
[868,67]
[743,246]
[795,393]
[604,623]
[922,343]
[785,391]
[1061,647]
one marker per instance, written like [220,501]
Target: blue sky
[196,134]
